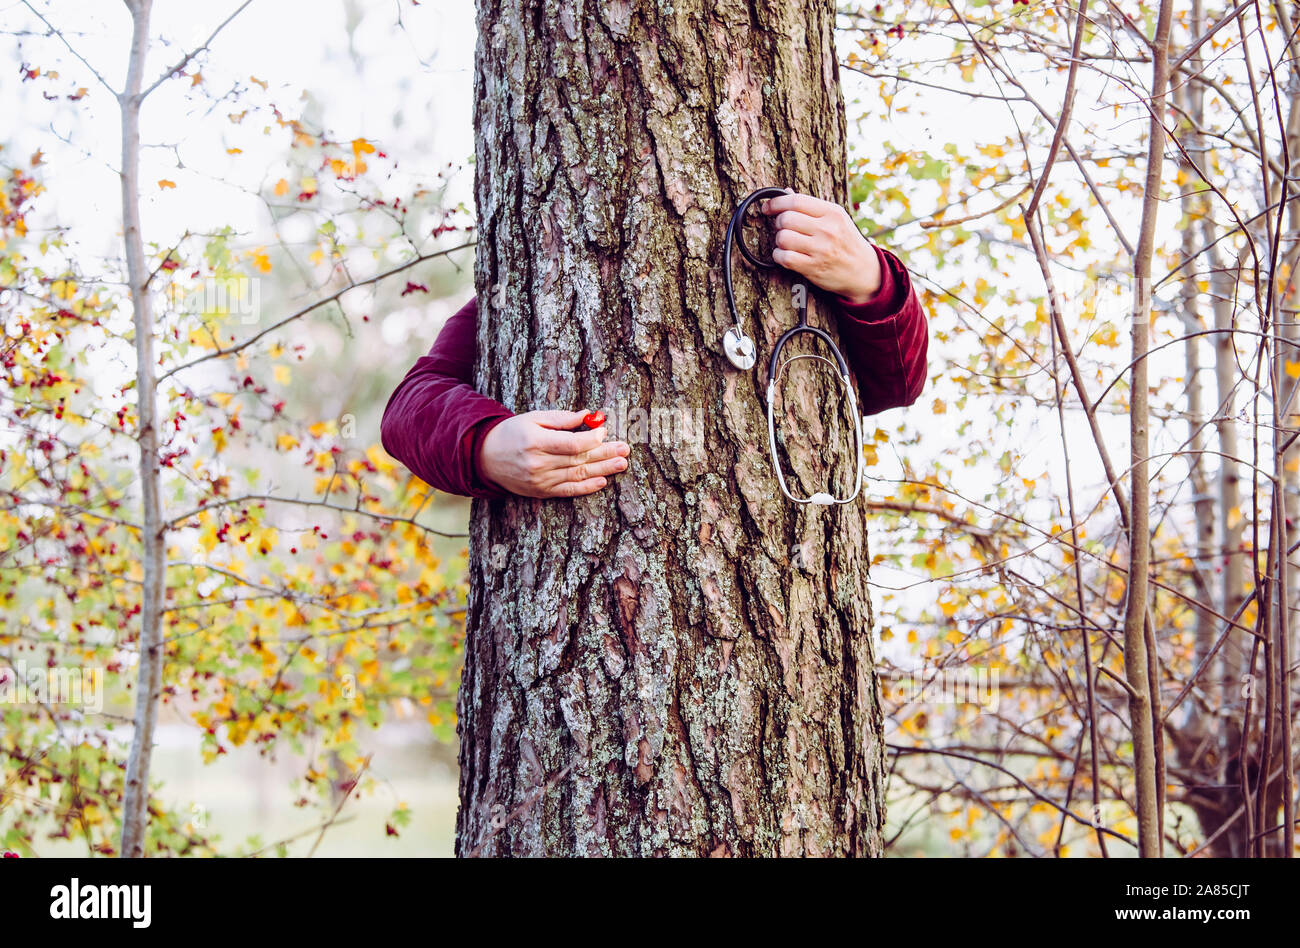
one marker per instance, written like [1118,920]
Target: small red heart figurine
[594,419]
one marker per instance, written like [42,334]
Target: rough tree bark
[682,662]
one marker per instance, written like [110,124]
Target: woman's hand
[819,240]
[537,454]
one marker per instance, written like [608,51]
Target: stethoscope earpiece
[741,351]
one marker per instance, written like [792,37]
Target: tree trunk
[135,803]
[1138,654]
[682,662]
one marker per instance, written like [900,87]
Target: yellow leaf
[266,540]
[164,183]
[281,188]
[281,373]
[379,458]
[1293,369]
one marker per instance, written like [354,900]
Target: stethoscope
[741,351]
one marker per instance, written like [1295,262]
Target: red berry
[594,419]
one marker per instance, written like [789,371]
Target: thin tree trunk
[681,663]
[1137,659]
[149,674]
[1289,330]
[1199,741]
[1233,558]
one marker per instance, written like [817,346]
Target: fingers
[800,263]
[803,203]
[559,420]
[589,469]
[586,477]
[610,458]
[798,222]
[577,488]
[605,451]
[569,443]
[793,240]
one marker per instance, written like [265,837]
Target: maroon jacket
[435,422]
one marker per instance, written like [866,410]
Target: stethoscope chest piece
[740,349]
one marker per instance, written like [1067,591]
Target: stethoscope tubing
[821,497]
[734,237]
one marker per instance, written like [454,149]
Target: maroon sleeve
[886,339]
[435,422]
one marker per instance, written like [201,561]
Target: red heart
[594,419]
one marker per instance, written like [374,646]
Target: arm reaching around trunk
[882,325]
[461,442]
[886,339]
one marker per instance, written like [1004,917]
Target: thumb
[558,420]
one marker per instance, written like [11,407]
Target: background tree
[681,663]
[184,507]
[1065,119]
